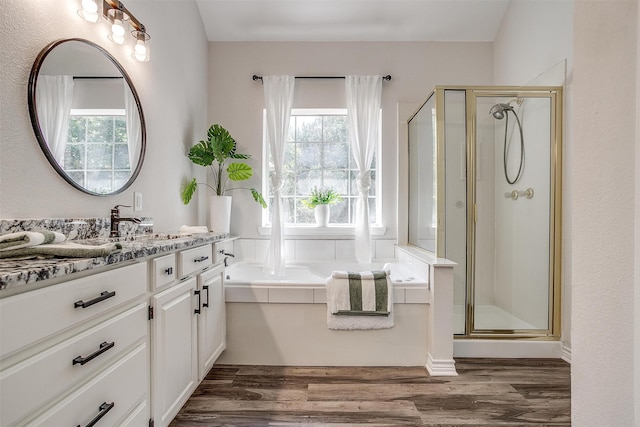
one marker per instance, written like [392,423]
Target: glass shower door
[512,279]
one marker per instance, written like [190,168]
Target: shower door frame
[552,332]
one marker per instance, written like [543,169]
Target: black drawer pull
[197,310]
[103,296]
[169,271]
[103,347]
[202,258]
[104,408]
[206,304]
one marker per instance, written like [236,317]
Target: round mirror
[87,116]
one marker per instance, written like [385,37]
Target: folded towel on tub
[27,239]
[361,300]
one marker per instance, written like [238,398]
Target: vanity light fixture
[119,19]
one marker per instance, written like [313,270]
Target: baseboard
[507,348]
[565,353]
[441,367]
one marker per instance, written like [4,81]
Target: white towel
[338,299]
[193,229]
[27,239]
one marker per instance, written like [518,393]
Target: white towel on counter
[353,303]
[27,239]
[193,229]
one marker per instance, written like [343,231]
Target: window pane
[99,156]
[76,129]
[338,180]
[99,182]
[306,180]
[74,157]
[335,128]
[120,178]
[308,129]
[99,129]
[305,215]
[77,177]
[121,157]
[289,186]
[336,156]
[309,155]
[120,129]
[339,213]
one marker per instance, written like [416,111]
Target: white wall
[171,90]
[236,102]
[603,171]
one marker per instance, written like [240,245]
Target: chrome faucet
[116,220]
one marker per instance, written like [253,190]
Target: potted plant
[319,200]
[215,152]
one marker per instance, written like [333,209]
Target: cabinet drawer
[33,316]
[163,270]
[68,363]
[124,384]
[195,259]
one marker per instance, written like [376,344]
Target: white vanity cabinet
[76,352]
[187,330]
[174,355]
[212,327]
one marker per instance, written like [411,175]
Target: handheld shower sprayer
[498,110]
[501,111]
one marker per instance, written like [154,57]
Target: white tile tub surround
[296,250]
[269,318]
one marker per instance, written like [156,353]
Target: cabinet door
[174,368]
[212,319]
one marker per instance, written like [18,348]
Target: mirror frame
[35,123]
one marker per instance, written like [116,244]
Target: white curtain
[134,136]
[363,108]
[54,96]
[278,97]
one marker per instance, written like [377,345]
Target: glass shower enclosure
[485,192]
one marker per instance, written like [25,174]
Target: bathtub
[315,274]
[283,320]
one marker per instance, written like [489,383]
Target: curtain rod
[256,77]
[96,77]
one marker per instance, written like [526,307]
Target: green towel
[65,250]
[378,302]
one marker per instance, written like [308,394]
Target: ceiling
[351,20]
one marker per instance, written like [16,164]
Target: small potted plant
[215,152]
[319,200]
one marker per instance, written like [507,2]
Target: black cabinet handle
[206,288]
[103,296]
[169,271]
[197,310]
[202,258]
[103,348]
[104,408]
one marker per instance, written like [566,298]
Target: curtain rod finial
[256,77]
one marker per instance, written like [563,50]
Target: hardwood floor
[487,392]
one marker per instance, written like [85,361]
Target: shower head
[498,110]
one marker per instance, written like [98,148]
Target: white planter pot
[321,213]
[220,214]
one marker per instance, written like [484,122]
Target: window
[97,155]
[318,154]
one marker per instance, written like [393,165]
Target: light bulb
[89,6]
[89,11]
[140,51]
[117,29]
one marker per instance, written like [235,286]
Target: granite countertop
[15,272]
